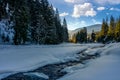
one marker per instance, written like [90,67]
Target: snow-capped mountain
[96,28]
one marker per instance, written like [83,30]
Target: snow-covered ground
[21,58]
[107,67]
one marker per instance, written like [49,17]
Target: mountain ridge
[95,27]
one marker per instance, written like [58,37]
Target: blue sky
[81,13]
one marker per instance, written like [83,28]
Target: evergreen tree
[37,22]
[111,28]
[49,16]
[33,20]
[104,29]
[65,31]
[85,34]
[7,38]
[93,36]
[3,13]
[81,36]
[3,37]
[58,27]
[21,22]
[117,30]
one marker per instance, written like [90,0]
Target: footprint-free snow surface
[106,67]
[15,59]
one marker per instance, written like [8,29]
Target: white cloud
[64,14]
[114,9]
[100,8]
[70,1]
[103,2]
[95,22]
[75,1]
[83,10]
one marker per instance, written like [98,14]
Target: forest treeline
[34,21]
[110,32]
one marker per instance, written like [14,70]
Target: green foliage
[117,30]
[20,16]
[59,28]
[3,13]
[65,31]
[35,21]
[93,36]
[111,32]
[104,29]
[81,36]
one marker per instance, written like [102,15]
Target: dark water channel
[53,71]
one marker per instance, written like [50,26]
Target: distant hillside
[96,28]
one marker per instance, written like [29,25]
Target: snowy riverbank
[14,59]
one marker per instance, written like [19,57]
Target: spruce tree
[104,30]
[3,12]
[21,22]
[117,30]
[111,28]
[65,31]
[37,22]
[93,36]
[7,39]
[58,27]
[33,21]
[48,14]
[3,37]
[85,34]
[81,36]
